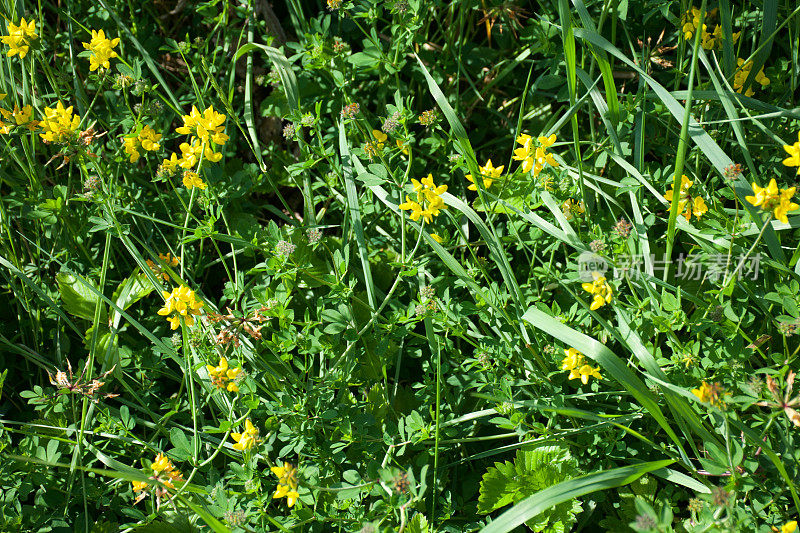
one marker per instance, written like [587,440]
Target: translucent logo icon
[589,262]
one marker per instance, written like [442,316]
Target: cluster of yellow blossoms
[102,50]
[20,37]
[183,302]
[789,527]
[146,139]
[709,40]
[168,260]
[489,173]
[770,198]
[246,440]
[206,132]
[17,118]
[576,363]
[741,76]
[687,205]
[223,377]
[535,156]
[59,124]
[287,483]
[712,393]
[163,471]
[600,290]
[428,203]
[794,154]
[373,148]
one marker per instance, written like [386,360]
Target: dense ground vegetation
[378,266]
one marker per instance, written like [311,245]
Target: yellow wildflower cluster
[373,148]
[600,290]
[20,37]
[687,205]
[710,393]
[287,483]
[789,527]
[206,132]
[741,76]
[17,118]
[770,198]
[163,471]
[794,154]
[576,363]
[147,139]
[223,377]
[489,173]
[428,203]
[168,260]
[102,50]
[708,40]
[535,156]
[59,124]
[246,440]
[183,302]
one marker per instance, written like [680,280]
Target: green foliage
[533,470]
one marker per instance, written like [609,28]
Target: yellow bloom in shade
[710,393]
[192,179]
[687,205]
[770,198]
[59,123]
[183,302]
[131,146]
[743,73]
[224,377]
[571,208]
[575,362]
[139,486]
[246,440]
[287,483]
[168,260]
[402,146]
[789,527]
[600,290]
[489,173]
[794,154]
[172,163]
[436,238]
[101,49]
[19,38]
[21,117]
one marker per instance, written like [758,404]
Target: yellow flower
[489,174]
[770,198]
[172,163]
[246,440]
[162,464]
[181,300]
[21,117]
[101,49]
[221,374]
[20,37]
[741,75]
[789,527]
[380,137]
[575,362]
[428,203]
[571,208]
[192,179]
[148,138]
[287,483]
[59,123]
[710,393]
[208,125]
[794,154]
[139,486]
[687,206]
[402,146]
[436,238]
[535,157]
[168,260]
[600,290]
